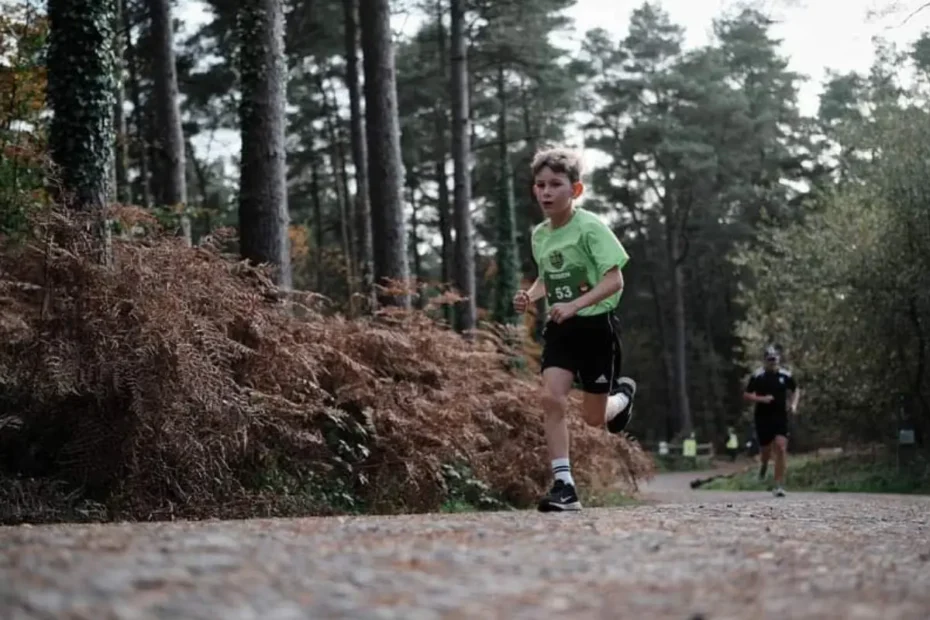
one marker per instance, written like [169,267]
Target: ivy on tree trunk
[81,87]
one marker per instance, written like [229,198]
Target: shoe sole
[628,410]
[550,507]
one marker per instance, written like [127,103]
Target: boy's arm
[609,256]
[611,283]
[537,291]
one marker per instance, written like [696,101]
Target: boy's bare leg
[557,383]
[594,408]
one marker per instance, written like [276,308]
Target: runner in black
[775,393]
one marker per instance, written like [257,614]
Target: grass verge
[847,473]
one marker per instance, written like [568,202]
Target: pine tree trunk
[443,205]
[80,91]
[466,314]
[263,214]
[199,173]
[139,116]
[507,266]
[415,245]
[121,144]
[385,168]
[676,278]
[172,183]
[444,212]
[340,181]
[365,257]
[348,213]
[319,240]
[681,352]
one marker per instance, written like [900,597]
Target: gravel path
[701,556]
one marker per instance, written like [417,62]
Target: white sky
[816,35]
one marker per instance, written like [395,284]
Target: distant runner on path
[775,394]
[579,261]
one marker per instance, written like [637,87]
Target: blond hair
[561,161]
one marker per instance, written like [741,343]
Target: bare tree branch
[915,12]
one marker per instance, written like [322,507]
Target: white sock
[562,471]
[615,405]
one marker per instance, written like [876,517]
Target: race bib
[565,286]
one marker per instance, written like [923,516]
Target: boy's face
[555,192]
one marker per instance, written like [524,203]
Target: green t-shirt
[573,259]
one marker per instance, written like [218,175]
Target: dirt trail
[692,554]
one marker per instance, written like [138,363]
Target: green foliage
[305,491]
[857,473]
[703,144]
[846,292]
[23,34]
[465,492]
[807,231]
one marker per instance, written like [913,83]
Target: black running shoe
[627,386]
[562,497]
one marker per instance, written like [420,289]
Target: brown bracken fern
[180,383]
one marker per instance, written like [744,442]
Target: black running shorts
[586,346]
[771,426]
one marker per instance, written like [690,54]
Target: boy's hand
[561,312]
[766,399]
[521,301]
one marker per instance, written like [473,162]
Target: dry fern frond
[181,383]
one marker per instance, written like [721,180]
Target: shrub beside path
[693,555]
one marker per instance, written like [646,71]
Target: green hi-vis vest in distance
[689,447]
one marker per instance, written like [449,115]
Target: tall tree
[385,168]
[507,257]
[81,84]
[441,153]
[644,93]
[171,183]
[466,315]
[263,213]
[140,125]
[121,145]
[365,258]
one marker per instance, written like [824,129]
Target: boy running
[579,260]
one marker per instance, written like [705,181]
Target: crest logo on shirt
[556,260]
